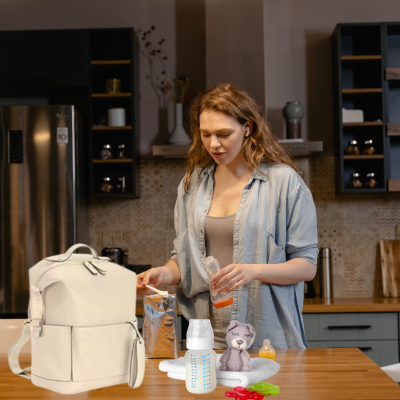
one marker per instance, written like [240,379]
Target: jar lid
[353,142]
[121,146]
[107,179]
[107,146]
[371,175]
[356,175]
[369,141]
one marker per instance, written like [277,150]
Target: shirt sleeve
[301,227]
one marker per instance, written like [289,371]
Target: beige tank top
[219,238]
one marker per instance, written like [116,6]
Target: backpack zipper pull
[100,270]
[90,267]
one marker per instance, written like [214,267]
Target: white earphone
[248,131]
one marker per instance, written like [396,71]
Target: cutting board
[390,263]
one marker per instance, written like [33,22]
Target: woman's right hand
[151,277]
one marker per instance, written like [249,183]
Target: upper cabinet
[76,67]
[367,107]
[43,59]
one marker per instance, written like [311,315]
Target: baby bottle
[220,299]
[267,351]
[201,360]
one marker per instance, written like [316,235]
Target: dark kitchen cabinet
[366,76]
[41,60]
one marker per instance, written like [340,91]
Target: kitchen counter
[319,374]
[335,305]
[351,305]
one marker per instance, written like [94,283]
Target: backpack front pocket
[101,352]
[51,353]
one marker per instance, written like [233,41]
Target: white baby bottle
[201,360]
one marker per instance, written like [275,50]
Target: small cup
[371,181]
[369,148]
[116,116]
[352,148]
[105,153]
[106,186]
[113,85]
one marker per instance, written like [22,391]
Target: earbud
[248,132]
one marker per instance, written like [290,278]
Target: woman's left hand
[233,276]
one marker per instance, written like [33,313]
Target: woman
[243,202]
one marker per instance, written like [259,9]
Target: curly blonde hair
[260,146]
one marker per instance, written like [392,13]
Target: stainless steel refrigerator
[42,202]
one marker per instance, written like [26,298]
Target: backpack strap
[13,354]
[137,361]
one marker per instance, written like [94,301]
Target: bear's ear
[251,330]
[232,325]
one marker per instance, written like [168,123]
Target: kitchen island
[305,374]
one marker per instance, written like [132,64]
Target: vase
[293,113]
[179,135]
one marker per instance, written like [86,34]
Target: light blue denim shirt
[275,222]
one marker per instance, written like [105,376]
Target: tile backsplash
[351,225]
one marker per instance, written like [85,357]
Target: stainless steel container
[326,272]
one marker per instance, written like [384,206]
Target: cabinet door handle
[365,348]
[331,328]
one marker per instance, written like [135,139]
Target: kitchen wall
[350,225]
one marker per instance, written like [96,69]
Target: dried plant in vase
[166,88]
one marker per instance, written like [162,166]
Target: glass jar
[370,182]
[105,153]
[369,147]
[352,148]
[122,152]
[106,186]
[355,180]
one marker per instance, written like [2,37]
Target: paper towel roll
[116,117]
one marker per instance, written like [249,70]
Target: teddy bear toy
[239,337]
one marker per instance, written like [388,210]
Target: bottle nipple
[267,351]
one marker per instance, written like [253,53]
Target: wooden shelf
[111,95]
[392,74]
[362,91]
[110,62]
[393,129]
[112,128]
[360,58]
[368,123]
[113,161]
[394,185]
[364,157]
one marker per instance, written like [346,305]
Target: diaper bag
[82,325]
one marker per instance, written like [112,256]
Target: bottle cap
[200,335]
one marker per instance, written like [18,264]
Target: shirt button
[234,308]
[243,199]
[201,232]
[237,219]
[236,241]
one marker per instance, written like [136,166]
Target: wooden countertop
[320,374]
[335,305]
[351,304]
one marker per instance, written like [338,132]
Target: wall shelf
[110,62]
[361,58]
[364,157]
[392,74]
[111,94]
[112,161]
[112,128]
[368,123]
[115,54]
[393,129]
[362,91]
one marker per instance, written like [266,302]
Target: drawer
[351,326]
[381,352]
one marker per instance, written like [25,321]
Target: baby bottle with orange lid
[267,351]
[219,299]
